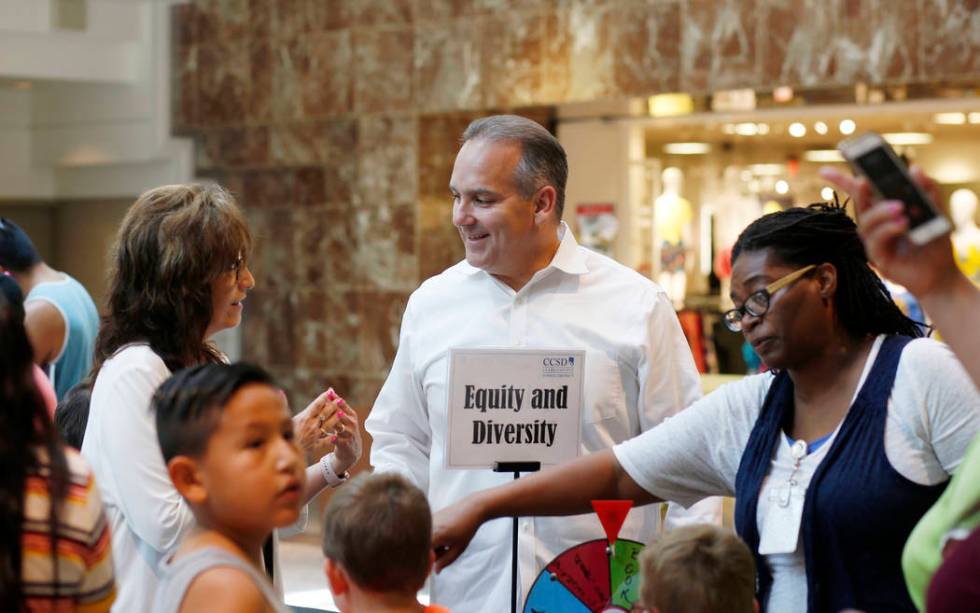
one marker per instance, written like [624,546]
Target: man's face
[497,225]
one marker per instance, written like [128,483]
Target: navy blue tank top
[858,510]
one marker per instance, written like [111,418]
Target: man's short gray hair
[543,160]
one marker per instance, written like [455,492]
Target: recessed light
[827,194]
[797,129]
[907,138]
[949,119]
[687,148]
[974,117]
[823,155]
[820,128]
[782,187]
[847,126]
[746,129]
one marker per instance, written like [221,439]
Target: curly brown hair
[173,242]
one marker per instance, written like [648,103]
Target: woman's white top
[933,414]
[146,514]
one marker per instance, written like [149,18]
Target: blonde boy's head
[698,569]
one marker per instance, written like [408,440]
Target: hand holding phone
[871,156]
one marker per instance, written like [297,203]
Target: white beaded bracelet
[329,474]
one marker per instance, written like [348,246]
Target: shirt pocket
[605,397]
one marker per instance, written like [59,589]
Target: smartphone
[870,155]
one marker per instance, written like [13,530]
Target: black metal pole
[513,562]
[517,468]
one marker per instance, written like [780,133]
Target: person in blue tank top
[60,316]
[833,456]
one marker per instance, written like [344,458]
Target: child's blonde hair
[698,569]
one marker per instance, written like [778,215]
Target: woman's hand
[883,227]
[347,437]
[453,529]
[328,420]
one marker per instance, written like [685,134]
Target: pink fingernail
[340,413]
[333,439]
[331,395]
[340,401]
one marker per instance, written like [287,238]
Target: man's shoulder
[612,274]
[449,279]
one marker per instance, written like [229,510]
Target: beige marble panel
[312,77]
[950,38]
[383,67]
[513,52]
[647,47]
[223,78]
[372,13]
[579,60]
[448,66]
[718,45]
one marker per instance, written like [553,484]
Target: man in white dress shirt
[527,283]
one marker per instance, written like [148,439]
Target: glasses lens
[757,304]
[733,320]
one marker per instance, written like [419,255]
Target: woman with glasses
[179,275]
[832,456]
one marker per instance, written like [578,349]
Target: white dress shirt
[638,371]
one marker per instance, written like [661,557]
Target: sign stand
[517,468]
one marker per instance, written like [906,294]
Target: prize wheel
[588,578]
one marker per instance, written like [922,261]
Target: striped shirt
[85,580]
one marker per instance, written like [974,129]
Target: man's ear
[186,477]
[336,578]
[546,203]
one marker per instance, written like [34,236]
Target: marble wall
[336,122]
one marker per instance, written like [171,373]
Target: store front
[665,185]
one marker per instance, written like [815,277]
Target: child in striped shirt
[55,532]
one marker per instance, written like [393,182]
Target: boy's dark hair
[698,569]
[188,405]
[17,252]
[71,416]
[379,529]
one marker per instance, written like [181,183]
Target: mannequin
[672,217]
[966,234]
[735,211]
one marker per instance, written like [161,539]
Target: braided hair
[823,233]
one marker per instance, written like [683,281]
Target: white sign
[514,405]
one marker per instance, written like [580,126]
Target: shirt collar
[568,259]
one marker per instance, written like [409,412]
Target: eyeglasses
[757,304]
[236,267]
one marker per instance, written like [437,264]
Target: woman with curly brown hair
[179,275]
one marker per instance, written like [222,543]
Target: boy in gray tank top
[227,437]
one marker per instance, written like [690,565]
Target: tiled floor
[301,560]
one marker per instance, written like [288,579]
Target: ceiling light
[783,93]
[767,170]
[847,126]
[687,148]
[797,129]
[974,117]
[763,128]
[782,187]
[950,119]
[827,194]
[728,128]
[907,138]
[820,128]
[669,105]
[823,155]
[746,129]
